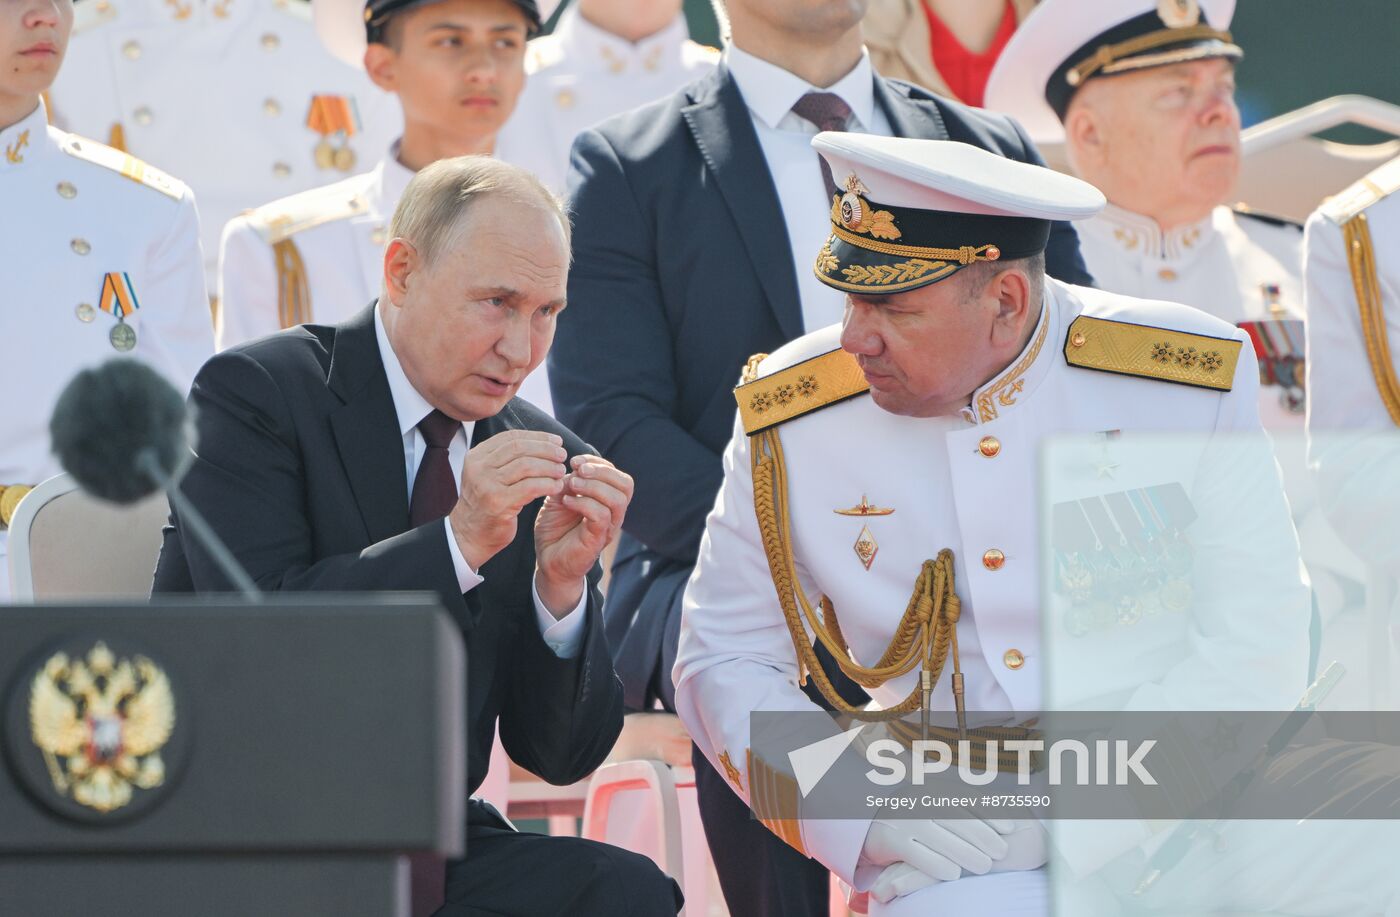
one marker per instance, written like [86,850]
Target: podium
[218,758]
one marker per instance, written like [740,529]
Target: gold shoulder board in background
[800,389]
[124,164]
[1152,353]
[1349,210]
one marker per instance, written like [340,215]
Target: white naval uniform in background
[1221,265]
[1353,441]
[736,654]
[75,211]
[340,232]
[580,75]
[215,92]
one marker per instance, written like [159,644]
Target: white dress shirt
[786,141]
[564,635]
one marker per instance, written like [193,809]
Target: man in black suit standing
[388,452]
[696,219]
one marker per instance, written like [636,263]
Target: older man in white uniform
[1142,94]
[863,449]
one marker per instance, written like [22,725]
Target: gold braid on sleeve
[1361,256]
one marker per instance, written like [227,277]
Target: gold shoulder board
[800,389]
[280,220]
[124,164]
[1377,186]
[1152,353]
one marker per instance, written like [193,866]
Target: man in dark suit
[388,452]
[697,220]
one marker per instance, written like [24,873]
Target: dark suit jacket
[300,469]
[682,270]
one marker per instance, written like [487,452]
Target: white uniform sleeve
[1353,445]
[177,333]
[247,286]
[736,655]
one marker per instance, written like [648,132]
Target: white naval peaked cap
[914,212]
[954,177]
[1036,71]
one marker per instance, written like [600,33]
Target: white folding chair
[1288,171]
[64,544]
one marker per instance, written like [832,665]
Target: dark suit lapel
[366,428]
[723,129]
[909,117]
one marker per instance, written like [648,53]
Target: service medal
[122,336]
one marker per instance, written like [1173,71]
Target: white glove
[940,849]
[1026,849]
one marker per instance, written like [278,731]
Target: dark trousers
[760,875]
[515,873]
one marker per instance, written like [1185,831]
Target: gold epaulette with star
[1375,187]
[282,219]
[800,389]
[1152,353]
[124,164]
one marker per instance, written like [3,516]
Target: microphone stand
[202,531]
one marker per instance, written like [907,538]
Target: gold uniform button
[1167,273]
[281,169]
[66,190]
[270,42]
[565,99]
[1077,339]
[132,50]
[1014,659]
[80,246]
[143,116]
[989,446]
[993,559]
[271,108]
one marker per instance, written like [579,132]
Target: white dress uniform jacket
[75,212]
[970,484]
[1353,398]
[218,93]
[580,75]
[328,242]
[1230,265]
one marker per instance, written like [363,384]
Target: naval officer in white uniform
[458,67]
[604,57]
[101,254]
[1142,94]
[236,97]
[862,450]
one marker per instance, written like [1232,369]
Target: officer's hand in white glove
[1026,849]
[940,849]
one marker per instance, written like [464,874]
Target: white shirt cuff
[564,635]
[467,578]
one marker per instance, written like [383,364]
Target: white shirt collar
[410,406]
[391,177]
[770,91]
[1137,234]
[597,49]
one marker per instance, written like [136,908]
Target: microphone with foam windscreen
[122,431]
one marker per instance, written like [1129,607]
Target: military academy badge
[866,547]
[95,735]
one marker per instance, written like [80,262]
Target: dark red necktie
[434,487]
[828,112]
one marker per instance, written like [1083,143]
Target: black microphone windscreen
[107,418]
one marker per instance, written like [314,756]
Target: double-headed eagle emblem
[101,723]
